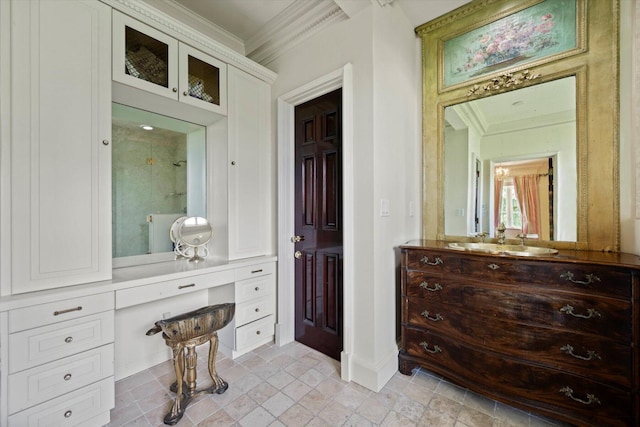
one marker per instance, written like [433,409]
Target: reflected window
[510,212]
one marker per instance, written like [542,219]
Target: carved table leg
[177,410]
[219,385]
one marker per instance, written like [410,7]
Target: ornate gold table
[183,333]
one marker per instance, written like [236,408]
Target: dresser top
[563,255]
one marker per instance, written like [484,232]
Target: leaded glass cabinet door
[144,57]
[203,80]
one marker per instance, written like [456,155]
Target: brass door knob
[297,254]
[296,239]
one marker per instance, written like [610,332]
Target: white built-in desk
[61,350]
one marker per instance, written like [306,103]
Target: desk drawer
[254,332]
[253,310]
[59,311]
[255,270]
[48,343]
[36,385]
[250,289]
[72,409]
[147,293]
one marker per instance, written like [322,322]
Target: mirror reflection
[158,175]
[511,159]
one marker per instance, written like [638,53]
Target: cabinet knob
[175,89]
[67,414]
[257,288]
[257,310]
[105,142]
[67,377]
[185,93]
[68,339]
[233,163]
[257,332]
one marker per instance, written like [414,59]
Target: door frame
[285,326]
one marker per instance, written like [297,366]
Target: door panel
[319,220]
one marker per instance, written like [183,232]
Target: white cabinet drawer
[258,287]
[45,344]
[255,270]
[147,293]
[72,409]
[254,332]
[59,311]
[44,382]
[253,310]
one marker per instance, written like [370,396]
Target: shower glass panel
[158,175]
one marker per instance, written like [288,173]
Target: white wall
[381,46]
[629,126]
[456,181]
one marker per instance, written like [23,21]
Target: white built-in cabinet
[248,157]
[151,60]
[60,118]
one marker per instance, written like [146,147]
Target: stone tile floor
[294,385]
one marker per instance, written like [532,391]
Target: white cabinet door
[203,80]
[60,136]
[249,162]
[144,57]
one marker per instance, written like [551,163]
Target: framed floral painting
[546,29]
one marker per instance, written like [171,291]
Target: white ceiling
[262,29]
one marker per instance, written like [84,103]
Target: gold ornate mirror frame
[594,63]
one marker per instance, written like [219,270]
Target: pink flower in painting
[545,27]
[547,17]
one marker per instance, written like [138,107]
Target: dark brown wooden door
[318,213]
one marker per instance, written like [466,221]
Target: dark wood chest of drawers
[553,335]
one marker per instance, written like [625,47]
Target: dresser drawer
[254,332]
[253,310]
[59,311]
[44,382]
[606,281]
[147,293]
[504,377]
[432,261]
[585,354]
[72,409]
[608,317]
[48,343]
[258,287]
[255,270]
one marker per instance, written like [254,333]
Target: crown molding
[181,31]
[195,21]
[296,23]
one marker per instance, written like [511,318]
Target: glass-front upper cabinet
[148,59]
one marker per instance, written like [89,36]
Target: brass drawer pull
[69,310]
[191,285]
[437,318]
[590,353]
[436,287]
[426,348]
[567,391]
[425,260]
[590,278]
[567,309]
[493,266]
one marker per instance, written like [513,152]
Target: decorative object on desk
[190,236]
[183,333]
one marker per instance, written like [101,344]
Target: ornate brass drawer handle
[436,287]
[567,391]
[425,260]
[591,312]
[591,355]
[590,278]
[437,318]
[426,348]
[493,266]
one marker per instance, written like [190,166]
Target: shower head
[178,163]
